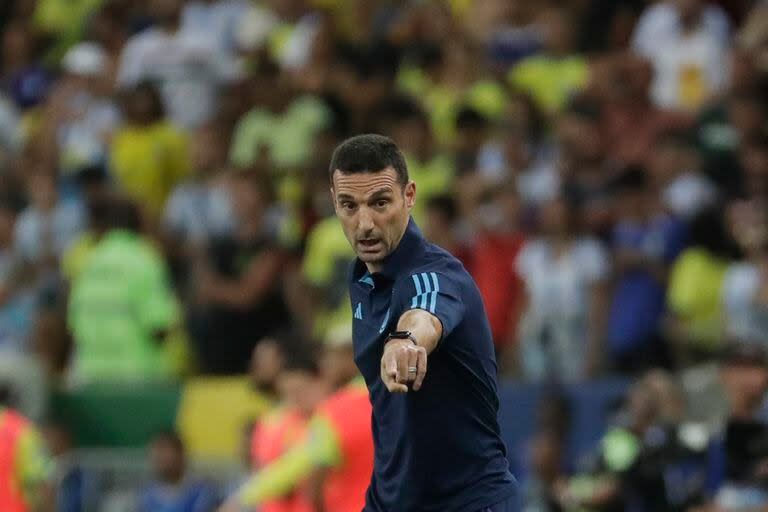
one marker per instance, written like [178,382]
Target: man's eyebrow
[343,196]
[381,192]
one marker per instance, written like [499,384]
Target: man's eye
[381,203]
[348,206]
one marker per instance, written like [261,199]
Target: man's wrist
[406,336]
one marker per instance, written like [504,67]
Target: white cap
[85,59]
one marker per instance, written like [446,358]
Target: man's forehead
[365,183]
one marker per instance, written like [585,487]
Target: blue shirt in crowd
[639,297]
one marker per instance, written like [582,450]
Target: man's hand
[403,363]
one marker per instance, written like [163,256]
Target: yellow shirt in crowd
[148,161]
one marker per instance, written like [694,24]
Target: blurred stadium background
[600,166]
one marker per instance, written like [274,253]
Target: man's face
[374,210]
[299,389]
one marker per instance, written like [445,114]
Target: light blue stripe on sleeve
[427,289]
[418,290]
[433,301]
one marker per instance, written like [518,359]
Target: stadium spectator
[187,69]
[645,241]
[557,72]
[744,295]
[149,154]
[427,164]
[98,199]
[337,453]
[686,41]
[123,273]
[495,246]
[25,79]
[739,464]
[299,391]
[639,456]
[564,274]
[78,488]
[238,296]
[281,128]
[46,227]
[520,154]
[173,489]
[80,115]
[695,322]
[630,121]
[199,209]
[17,297]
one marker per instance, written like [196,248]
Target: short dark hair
[368,153]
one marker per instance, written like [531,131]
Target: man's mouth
[369,243]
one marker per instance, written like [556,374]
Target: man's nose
[365,220]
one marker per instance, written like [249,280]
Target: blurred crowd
[599,166]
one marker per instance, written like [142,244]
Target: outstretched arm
[319,449]
[433,308]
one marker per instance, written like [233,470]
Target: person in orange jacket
[285,426]
[25,467]
[336,457]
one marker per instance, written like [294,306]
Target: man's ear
[410,194]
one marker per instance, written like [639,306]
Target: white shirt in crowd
[538,183]
[198,212]
[83,139]
[689,67]
[59,227]
[554,328]
[214,21]
[187,68]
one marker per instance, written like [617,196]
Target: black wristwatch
[401,335]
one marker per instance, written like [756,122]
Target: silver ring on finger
[412,369]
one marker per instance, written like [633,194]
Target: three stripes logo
[427,287]
[359,311]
